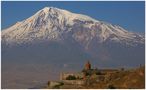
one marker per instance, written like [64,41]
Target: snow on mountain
[55,24]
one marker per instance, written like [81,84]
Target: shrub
[122,69]
[111,87]
[98,73]
[61,83]
[58,86]
[48,83]
[70,77]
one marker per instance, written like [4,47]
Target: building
[83,77]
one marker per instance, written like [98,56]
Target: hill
[128,79]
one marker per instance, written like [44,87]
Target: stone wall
[53,83]
[74,82]
[109,71]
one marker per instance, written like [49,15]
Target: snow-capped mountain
[57,34]
[55,40]
[53,24]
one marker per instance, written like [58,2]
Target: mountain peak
[46,9]
[53,23]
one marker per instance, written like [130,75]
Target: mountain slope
[55,24]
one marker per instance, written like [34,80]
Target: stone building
[78,75]
[86,74]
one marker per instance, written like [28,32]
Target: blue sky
[127,14]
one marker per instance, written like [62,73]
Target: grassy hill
[130,79]
[124,79]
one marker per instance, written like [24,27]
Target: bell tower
[87,66]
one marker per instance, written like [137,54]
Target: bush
[98,73]
[48,83]
[61,83]
[122,69]
[58,86]
[111,87]
[70,77]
